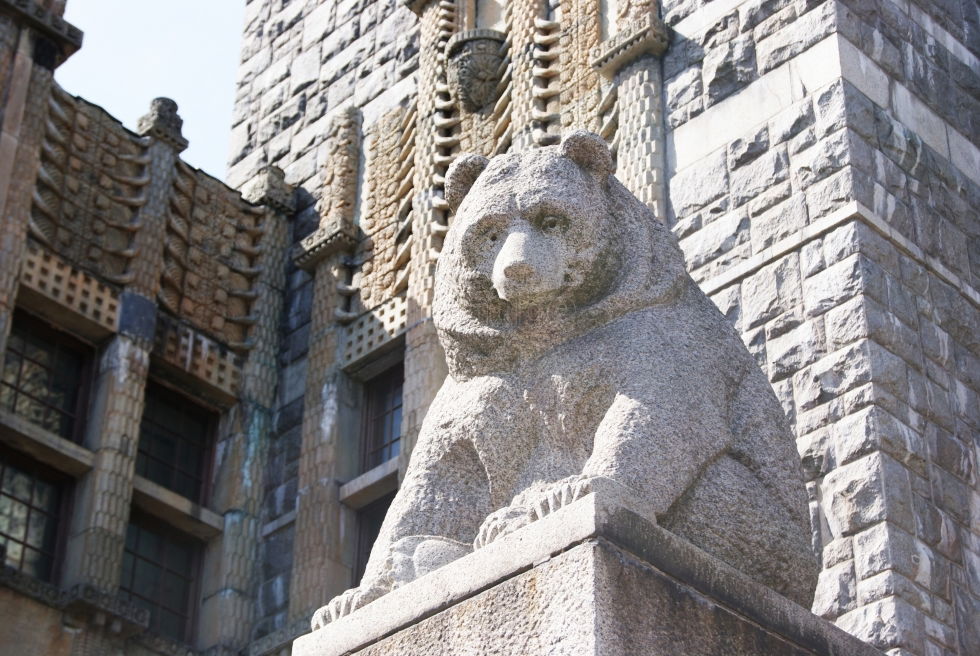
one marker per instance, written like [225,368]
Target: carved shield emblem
[473,63]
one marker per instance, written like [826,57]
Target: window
[369,519]
[43,377]
[30,508]
[159,574]
[383,417]
[175,438]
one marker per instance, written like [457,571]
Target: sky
[137,50]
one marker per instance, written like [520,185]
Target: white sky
[137,50]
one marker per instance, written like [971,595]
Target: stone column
[320,566]
[228,605]
[32,45]
[97,535]
[102,496]
[630,59]
[437,140]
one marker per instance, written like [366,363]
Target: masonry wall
[824,182]
[818,161]
[301,63]
[156,272]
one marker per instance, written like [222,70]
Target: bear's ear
[461,176]
[589,151]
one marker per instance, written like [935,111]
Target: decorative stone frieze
[53,278]
[212,245]
[388,209]
[372,330]
[473,63]
[91,185]
[163,123]
[180,346]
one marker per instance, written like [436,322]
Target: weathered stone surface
[576,342]
[744,150]
[594,577]
[728,67]
[750,180]
[699,185]
[772,291]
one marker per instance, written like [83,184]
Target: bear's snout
[526,268]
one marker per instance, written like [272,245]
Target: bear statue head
[545,245]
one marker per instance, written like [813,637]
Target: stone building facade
[819,161]
[140,302]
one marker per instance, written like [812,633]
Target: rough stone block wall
[825,184]
[301,60]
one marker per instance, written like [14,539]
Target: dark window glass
[175,437]
[158,574]
[30,508]
[43,377]
[383,417]
[369,519]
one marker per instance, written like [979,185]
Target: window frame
[208,450]
[62,339]
[368,443]
[64,507]
[149,522]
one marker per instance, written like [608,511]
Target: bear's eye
[550,223]
[492,236]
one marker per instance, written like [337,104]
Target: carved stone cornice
[473,63]
[644,36]
[122,617]
[269,188]
[46,593]
[81,603]
[65,36]
[163,123]
[324,242]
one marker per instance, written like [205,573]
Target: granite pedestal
[595,577]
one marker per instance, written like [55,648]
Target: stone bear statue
[579,348]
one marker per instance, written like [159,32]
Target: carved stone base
[596,577]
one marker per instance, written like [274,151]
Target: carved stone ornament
[163,123]
[474,61]
[269,188]
[638,35]
[49,25]
[336,232]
